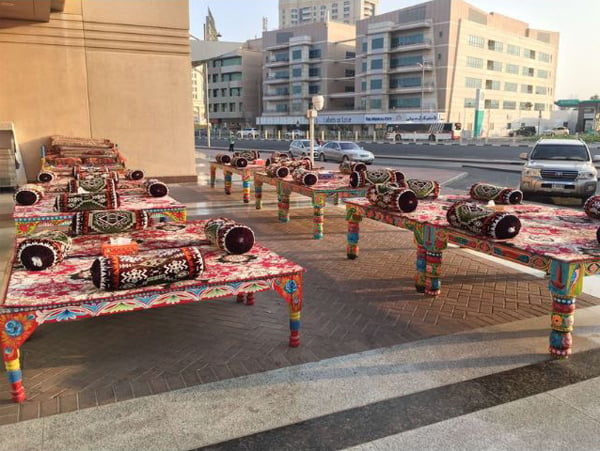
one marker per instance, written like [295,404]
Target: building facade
[234,87]
[303,61]
[433,57]
[299,12]
[102,69]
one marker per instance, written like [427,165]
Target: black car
[523,131]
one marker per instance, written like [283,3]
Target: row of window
[514,50]
[225,92]
[233,76]
[226,107]
[477,63]
[495,85]
[233,61]
[492,104]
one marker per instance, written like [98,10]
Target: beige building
[303,61]
[234,80]
[101,68]
[299,12]
[198,95]
[433,57]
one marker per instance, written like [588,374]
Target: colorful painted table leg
[213,175]
[420,267]
[283,196]
[336,199]
[353,218]
[290,288]
[434,241]
[258,184]
[228,177]
[566,283]
[319,202]
[246,186]
[15,328]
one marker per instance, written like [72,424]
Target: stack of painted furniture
[251,164]
[66,156]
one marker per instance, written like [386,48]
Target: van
[523,131]
[559,167]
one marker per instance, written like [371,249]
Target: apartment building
[301,62]
[299,12]
[433,57]
[198,99]
[234,86]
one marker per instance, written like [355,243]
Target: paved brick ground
[350,306]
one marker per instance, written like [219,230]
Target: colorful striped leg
[318,221]
[421,266]
[213,176]
[249,298]
[246,187]
[566,283]
[240,298]
[433,241]
[15,378]
[353,219]
[284,206]
[258,193]
[336,199]
[15,328]
[294,327]
[228,177]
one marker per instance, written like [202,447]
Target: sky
[578,73]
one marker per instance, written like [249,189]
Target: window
[350,55]
[235,92]
[314,89]
[543,73]
[496,46]
[539,107]
[377,64]
[376,43]
[512,68]
[314,53]
[314,72]
[296,54]
[494,65]
[529,54]
[544,57]
[296,72]
[469,103]
[376,83]
[476,41]
[349,73]
[232,107]
[509,105]
[477,63]
[363,85]
[232,61]
[364,66]
[492,84]
[364,46]
[472,82]
[542,90]
[401,61]
[527,89]
[491,104]
[511,87]
[405,82]
[525,105]
[513,50]
[297,89]
[405,102]
[527,71]
[215,93]
[411,39]
[375,103]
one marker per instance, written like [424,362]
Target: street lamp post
[317,105]
[422,66]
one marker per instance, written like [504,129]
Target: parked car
[523,131]
[345,151]
[559,167]
[301,148]
[294,134]
[247,133]
[556,131]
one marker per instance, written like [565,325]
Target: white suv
[559,167]
[247,133]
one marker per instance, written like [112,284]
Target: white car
[345,151]
[556,131]
[301,148]
[294,134]
[247,133]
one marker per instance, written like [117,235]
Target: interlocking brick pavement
[349,306]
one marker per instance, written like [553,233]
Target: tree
[595,97]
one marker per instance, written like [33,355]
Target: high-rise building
[299,12]
[434,56]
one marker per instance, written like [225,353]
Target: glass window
[491,104]
[314,89]
[544,57]
[512,68]
[377,64]
[297,89]
[411,39]
[314,72]
[401,61]
[469,103]
[405,102]
[376,43]
[541,90]
[525,105]
[364,46]
[375,103]
[543,73]
[363,85]
[376,83]
[314,53]
[496,46]
[296,54]
[539,107]
[492,84]
[527,89]
[296,72]
[512,87]
[476,41]
[472,82]
[477,63]
[364,66]
[494,65]
[509,105]
[236,61]
[528,71]
[405,82]
[513,50]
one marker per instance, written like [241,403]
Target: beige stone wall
[103,68]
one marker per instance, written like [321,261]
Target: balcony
[272,79]
[275,61]
[410,68]
[427,87]
[427,44]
